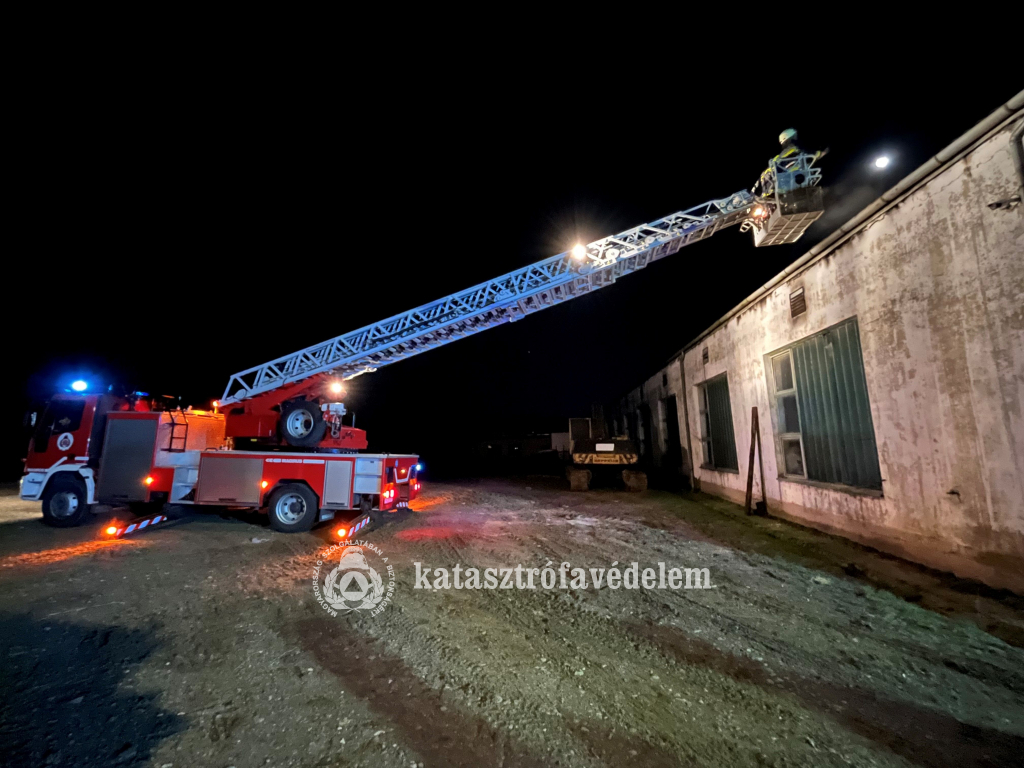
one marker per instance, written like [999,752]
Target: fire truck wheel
[302,424]
[64,501]
[292,508]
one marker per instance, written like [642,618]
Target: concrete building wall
[936,283]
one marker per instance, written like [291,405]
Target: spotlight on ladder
[579,251]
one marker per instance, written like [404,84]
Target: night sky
[173,240]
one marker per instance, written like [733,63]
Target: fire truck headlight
[79,385]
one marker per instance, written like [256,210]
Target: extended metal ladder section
[174,433]
[504,299]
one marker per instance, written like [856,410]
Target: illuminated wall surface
[890,390]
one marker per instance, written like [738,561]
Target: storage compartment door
[128,450]
[368,472]
[229,480]
[338,484]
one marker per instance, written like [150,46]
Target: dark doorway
[673,461]
[646,436]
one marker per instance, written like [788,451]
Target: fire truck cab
[63,454]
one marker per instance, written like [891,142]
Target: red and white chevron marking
[117,531]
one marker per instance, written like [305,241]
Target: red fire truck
[102,449]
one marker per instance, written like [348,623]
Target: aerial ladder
[296,399]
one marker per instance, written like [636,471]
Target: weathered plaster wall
[937,285]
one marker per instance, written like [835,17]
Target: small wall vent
[797,302]
[704,355]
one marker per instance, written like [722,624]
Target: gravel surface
[202,644]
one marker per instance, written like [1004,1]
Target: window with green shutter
[717,437]
[822,417]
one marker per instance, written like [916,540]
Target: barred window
[717,437]
[822,417]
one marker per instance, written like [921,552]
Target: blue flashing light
[79,385]
[419,467]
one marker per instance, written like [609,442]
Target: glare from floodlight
[579,251]
[881,162]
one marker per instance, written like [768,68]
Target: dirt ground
[202,644]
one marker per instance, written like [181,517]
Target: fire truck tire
[64,501]
[302,423]
[292,508]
